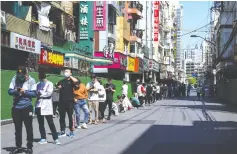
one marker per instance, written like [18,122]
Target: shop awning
[92,60]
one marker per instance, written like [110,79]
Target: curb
[10,121]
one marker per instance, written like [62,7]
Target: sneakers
[57,142]
[17,150]
[78,127]
[61,134]
[43,141]
[84,126]
[71,134]
[29,151]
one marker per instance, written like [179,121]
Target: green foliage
[192,80]
[6,100]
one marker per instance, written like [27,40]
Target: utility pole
[143,74]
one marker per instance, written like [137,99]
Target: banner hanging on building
[24,43]
[156,21]
[119,60]
[51,58]
[99,15]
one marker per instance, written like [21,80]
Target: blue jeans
[81,104]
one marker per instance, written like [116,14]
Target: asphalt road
[178,126]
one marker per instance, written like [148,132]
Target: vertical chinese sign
[99,15]
[156,21]
[86,32]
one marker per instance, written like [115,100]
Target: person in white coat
[44,108]
[102,98]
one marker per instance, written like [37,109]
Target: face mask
[66,75]
[21,77]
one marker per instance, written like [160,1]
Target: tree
[192,80]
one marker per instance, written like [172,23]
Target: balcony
[135,9]
[136,36]
[29,29]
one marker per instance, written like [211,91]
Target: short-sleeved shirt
[66,92]
[93,96]
[109,93]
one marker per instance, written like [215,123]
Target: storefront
[18,50]
[51,61]
[116,69]
[138,70]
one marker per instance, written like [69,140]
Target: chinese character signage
[156,21]
[131,64]
[71,63]
[84,24]
[51,58]
[141,65]
[99,15]
[136,69]
[119,61]
[145,64]
[24,43]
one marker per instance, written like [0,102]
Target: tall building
[179,52]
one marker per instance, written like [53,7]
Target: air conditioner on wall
[3,17]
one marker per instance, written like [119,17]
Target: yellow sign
[131,64]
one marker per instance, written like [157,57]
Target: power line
[198,28]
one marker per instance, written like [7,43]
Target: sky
[195,15]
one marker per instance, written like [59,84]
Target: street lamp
[203,39]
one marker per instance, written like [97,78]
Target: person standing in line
[149,91]
[188,90]
[125,89]
[93,99]
[102,98]
[154,90]
[55,98]
[44,95]
[110,89]
[23,89]
[158,92]
[66,101]
[80,97]
[141,93]
[199,90]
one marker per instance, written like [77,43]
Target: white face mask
[66,74]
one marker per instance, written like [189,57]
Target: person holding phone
[44,94]
[23,89]
[110,89]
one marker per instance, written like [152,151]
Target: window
[111,28]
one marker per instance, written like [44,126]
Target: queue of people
[68,96]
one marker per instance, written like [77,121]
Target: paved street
[166,127]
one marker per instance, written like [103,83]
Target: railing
[137,5]
[138,33]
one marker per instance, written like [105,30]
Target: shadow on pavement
[204,137]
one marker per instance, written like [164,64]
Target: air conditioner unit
[3,17]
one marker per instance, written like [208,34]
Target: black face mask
[21,77]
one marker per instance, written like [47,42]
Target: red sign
[156,20]
[120,61]
[51,58]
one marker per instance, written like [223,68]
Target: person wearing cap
[44,108]
[23,89]
[93,99]
[66,101]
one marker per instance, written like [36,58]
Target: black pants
[19,116]
[149,99]
[157,96]
[55,105]
[102,108]
[49,119]
[66,107]
[141,99]
[108,102]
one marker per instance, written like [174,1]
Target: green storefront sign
[86,33]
